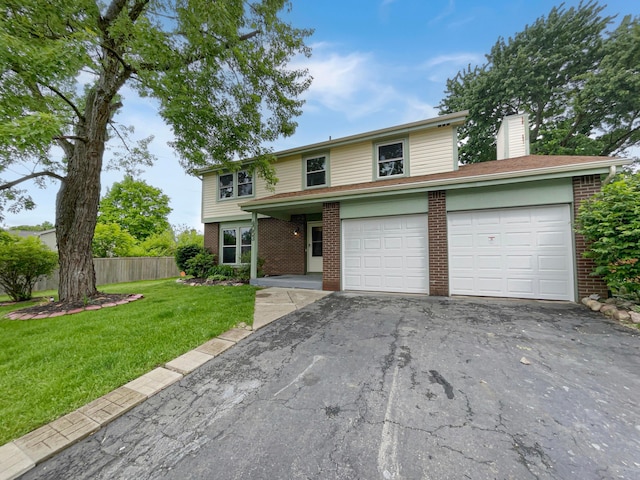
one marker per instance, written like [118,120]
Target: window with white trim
[236,243]
[315,171]
[239,184]
[390,159]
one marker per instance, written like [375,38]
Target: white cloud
[455,59]
[442,67]
[354,84]
[449,10]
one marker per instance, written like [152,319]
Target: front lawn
[53,366]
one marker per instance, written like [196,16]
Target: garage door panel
[519,239]
[519,262]
[553,263]
[487,262]
[353,262]
[372,262]
[519,252]
[520,287]
[463,284]
[484,219]
[371,244]
[393,243]
[391,262]
[462,240]
[551,239]
[461,262]
[416,263]
[550,287]
[490,285]
[400,263]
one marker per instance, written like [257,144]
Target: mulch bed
[197,282]
[49,309]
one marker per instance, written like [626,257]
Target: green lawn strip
[51,367]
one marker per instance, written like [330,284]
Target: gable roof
[496,171]
[450,119]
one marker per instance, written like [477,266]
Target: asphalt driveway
[368,387]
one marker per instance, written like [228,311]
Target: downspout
[254,246]
[612,173]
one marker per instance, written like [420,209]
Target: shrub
[222,272]
[610,222]
[185,253]
[22,262]
[200,265]
[244,271]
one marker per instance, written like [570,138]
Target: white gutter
[338,195]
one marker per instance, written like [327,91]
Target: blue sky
[375,63]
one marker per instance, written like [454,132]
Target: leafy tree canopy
[139,209]
[218,69]
[578,82]
[35,228]
[110,240]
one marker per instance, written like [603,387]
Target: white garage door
[386,254]
[517,252]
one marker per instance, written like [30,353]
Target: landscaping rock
[594,305]
[621,315]
[586,301]
[608,309]
[634,317]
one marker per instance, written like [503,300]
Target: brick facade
[282,250]
[212,238]
[583,188]
[331,246]
[438,249]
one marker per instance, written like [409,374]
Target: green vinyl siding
[381,208]
[545,192]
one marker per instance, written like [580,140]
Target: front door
[314,247]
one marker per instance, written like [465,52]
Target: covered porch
[310,281]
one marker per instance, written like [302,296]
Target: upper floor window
[316,171]
[390,159]
[238,184]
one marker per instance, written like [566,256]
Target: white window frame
[236,185]
[403,159]
[306,172]
[239,245]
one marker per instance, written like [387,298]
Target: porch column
[254,246]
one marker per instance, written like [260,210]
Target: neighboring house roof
[457,118]
[467,175]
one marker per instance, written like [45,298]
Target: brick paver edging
[24,453]
[32,316]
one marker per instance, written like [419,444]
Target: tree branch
[66,100]
[137,9]
[70,137]
[44,173]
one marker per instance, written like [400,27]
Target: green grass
[51,367]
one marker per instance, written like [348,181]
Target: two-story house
[391,210]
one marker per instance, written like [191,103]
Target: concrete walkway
[22,454]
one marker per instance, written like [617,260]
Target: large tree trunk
[77,202]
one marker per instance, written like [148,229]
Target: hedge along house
[392,211]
